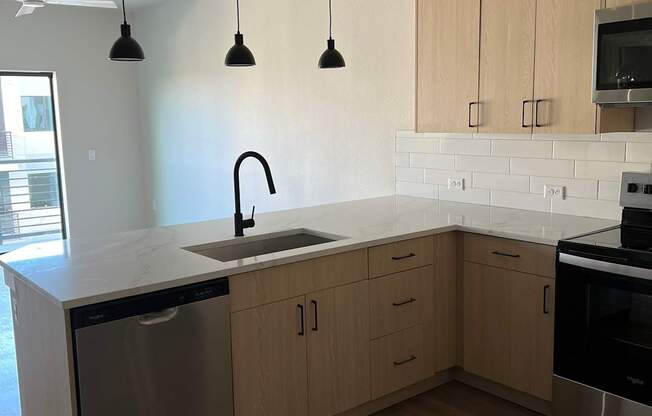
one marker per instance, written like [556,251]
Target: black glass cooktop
[619,237]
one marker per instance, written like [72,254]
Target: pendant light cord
[124,11]
[237,6]
[330,24]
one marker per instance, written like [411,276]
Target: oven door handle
[606,267]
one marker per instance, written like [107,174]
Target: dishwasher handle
[158,317]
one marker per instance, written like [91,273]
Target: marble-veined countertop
[78,272]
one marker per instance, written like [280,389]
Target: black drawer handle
[302,329]
[545,299]
[407,360]
[500,253]
[405,302]
[314,308]
[471,104]
[407,256]
[523,114]
[536,113]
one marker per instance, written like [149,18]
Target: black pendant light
[126,48]
[331,58]
[239,54]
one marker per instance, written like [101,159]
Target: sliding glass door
[31,203]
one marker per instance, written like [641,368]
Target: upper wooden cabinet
[448,38]
[507,66]
[563,70]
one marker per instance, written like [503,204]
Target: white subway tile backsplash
[603,151]
[587,208]
[511,170]
[402,160]
[470,195]
[639,152]
[608,171]
[482,164]
[578,188]
[501,182]
[417,189]
[432,161]
[609,191]
[520,200]
[440,177]
[466,147]
[410,175]
[542,167]
[417,145]
[522,148]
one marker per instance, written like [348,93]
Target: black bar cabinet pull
[405,302]
[545,299]
[407,256]
[314,309]
[536,113]
[500,253]
[407,360]
[471,104]
[302,330]
[523,114]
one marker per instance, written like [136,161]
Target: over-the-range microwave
[622,56]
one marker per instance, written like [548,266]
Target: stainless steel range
[603,321]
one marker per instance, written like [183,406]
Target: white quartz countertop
[80,272]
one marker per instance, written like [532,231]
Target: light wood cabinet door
[269,359]
[448,42]
[564,54]
[531,333]
[486,321]
[338,349]
[507,66]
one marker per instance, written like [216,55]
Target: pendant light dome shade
[331,58]
[126,48]
[239,54]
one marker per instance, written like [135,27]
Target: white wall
[328,135]
[98,109]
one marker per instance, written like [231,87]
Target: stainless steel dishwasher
[161,354]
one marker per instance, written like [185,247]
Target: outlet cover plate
[554,192]
[456,184]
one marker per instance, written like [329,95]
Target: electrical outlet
[554,192]
[456,184]
[91,154]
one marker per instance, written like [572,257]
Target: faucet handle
[253,210]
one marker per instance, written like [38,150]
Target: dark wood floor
[456,399]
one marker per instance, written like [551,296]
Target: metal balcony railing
[6,145]
[29,200]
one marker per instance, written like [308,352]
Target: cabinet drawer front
[260,287]
[400,256]
[401,300]
[510,254]
[398,361]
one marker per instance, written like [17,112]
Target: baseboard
[522,399]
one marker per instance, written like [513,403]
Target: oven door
[603,326]
[623,55]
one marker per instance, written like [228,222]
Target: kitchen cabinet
[338,349]
[445,301]
[448,38]
[270,359]
[507,66]
[563,70]
[508,312]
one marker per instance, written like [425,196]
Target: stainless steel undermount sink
[258,245]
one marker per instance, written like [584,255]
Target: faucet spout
[241,224]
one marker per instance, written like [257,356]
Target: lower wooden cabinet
[307,355]
[270,359]
[338,349]
[509,327]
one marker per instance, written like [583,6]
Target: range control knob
[647,189]
[632,188]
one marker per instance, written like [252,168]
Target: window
[43,190]
[37,113]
